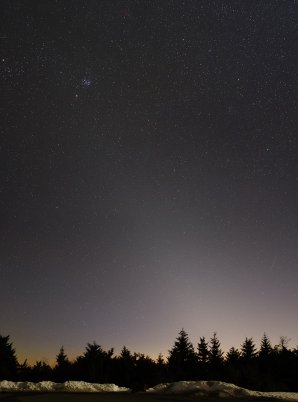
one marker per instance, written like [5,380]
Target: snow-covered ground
[218,389]
[191,388]
[68,386]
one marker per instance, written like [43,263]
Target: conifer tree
[215,357]
[144,372]
[61,358]
[215,353]
[41,371]
[232,366]
[250,375]
[24,371]
[95,362]
[182,361]
[266,361]
[265,348]
[233,355]
[203,354]
[62,368]
[8,360]
[248,349]
[161,369]
[126,368]
[125,354]
[160,360]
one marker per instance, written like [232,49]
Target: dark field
[111,397]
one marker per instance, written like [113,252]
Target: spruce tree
[144,372]
[160,360]
[248,349]
[182,361]
[203,354]
[126,368]
[233,355]
[161,369]
[61,357]
[215,353]
[265,348]
[95,362]
[24,371]
[215,358]
[8,360]
[232,366]
[62,368]
[125,354]
[266,362]
[41,371]
[250,374]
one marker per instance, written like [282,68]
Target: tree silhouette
[182,359]
[145,371]
[94,364]
[233,355]
[232,365]
[92,357]
[215,357]
[41,371]
[273,369]
[248,349]
[125,368]
[203,356]
[24,371]
[265,360]
[62,370]
[8,360]
[161,369]
[285,366]
[126,354]
[250,374]
[265,348]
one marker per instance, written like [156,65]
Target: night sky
[148,173]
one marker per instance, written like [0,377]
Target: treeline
[268,369]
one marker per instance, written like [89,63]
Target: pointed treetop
[248,349]
[233,355]
[215,353]
[61,357]
[203,351]
[125,353]
[265,348]
[93,350]
[182,343]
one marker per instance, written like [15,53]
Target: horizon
[51,360]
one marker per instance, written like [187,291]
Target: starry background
[148,173]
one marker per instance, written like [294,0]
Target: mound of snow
[81,386]
[218,389]
[68,386]
[201,388]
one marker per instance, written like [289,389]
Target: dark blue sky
[148,173]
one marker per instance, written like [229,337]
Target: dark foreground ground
[112,397]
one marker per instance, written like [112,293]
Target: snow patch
[217,389]
[193,388]
[68,386]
